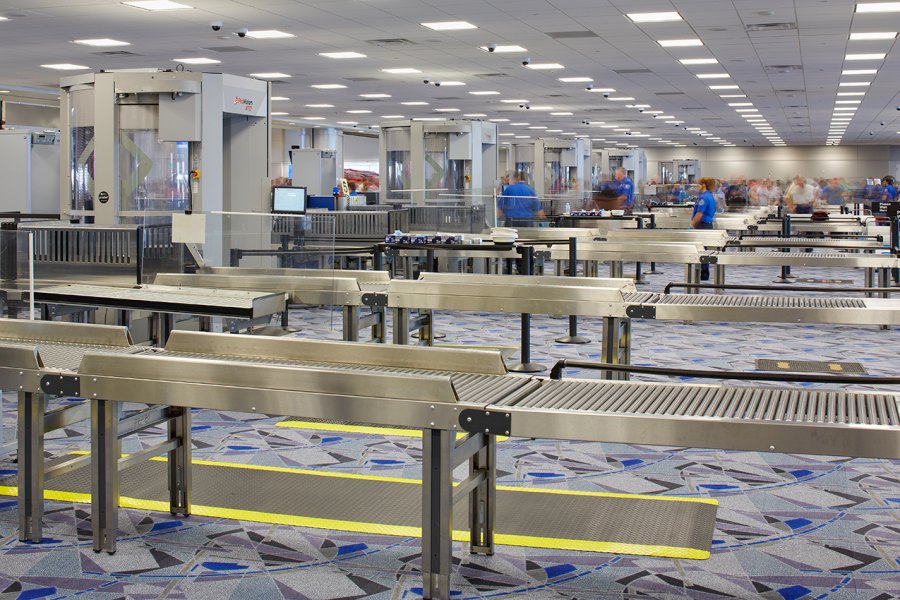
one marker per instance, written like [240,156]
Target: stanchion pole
[573,337]
[525,365]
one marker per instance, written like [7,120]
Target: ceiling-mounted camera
[640,110]
[526,62]
[426,81]
[242,32]
[606,94]
[216,25]
[437,84]
[590,86]
[491,47]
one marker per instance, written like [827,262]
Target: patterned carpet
[789,527]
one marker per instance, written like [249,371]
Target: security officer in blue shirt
[888,190]
[624,189]
[705,214]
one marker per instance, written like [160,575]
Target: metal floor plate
[615,523]
[810,366]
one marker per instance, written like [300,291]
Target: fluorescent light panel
[319,105]
[157,5]
[273,75]
[877,35]
[449,25]
[101,43]
[199,60]
[340,55]
[391,116]
[859,71]
[65,67]
[724,87]
[501,49]
[269,34]
[698,61]
[654,17]
[681,43]
[875,56]
[359,112]
[544,66]
[416,103]
[375,96]
[485,93]
[328,86]
[401,71]
[576,79]
[877,7]
[713,75]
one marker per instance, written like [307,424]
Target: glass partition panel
[17,271]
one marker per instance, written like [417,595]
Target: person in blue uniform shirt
[519,205]
[705,214]
[888,189]
[624,189]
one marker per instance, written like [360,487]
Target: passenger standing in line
[835,193]
[704,214]
[624,189]
[801,196]
[519,205]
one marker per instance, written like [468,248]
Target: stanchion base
[784,280]
[641,282]
[654,272]
[529,367]
[436,336]
[572,339]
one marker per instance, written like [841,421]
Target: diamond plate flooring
[789,527]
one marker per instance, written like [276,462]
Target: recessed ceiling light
[416,103]
[101,42]
[621,99]
[541,108]
[554,131]
[683,43]
[499,120]
[713,75]
[319,105]
[561,114]
[575,79]
[401,71]
[653,112]
[859,71]
[375,96]
[520,124]
[269,34]
[523,137]
[654,17]
[514,101]
[452,83]
[667,117]
[746,110]
[877,7]
[449,25]
[279,114]
[342,55]
[740,104]
[875,56]
[391,116]
[848,101]
[474,115]
[157,5]
[312,118]
[698,61]
[851,93]
[359,112]
[537,127]
[506,134]
[65,67]
[4,91]
[732,95]
[274,75]
[200,60]
[504,49]
[854,83]
[328,86]
[692,129]
[724,87]
[485,93]
[878,35]
[544,66]
[602,90]
[448,110]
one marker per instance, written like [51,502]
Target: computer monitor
[288,200]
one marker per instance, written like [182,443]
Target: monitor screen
[291,200]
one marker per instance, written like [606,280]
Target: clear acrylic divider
[17,272]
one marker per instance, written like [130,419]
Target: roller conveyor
[796,242]
[711,239]
[804,259]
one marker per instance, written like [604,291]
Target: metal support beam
[483,499]
[31,465]
[180,463]
[105,449]
[437,513]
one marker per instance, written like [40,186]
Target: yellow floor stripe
[396,530]
[367,429]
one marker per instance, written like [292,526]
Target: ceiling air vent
[358,79]
[771,27]
[790,91]
[631,71]
[571,35]
[228,49]
[694,108]
[491,75]
[391,42]
[669,93]
[782,68]
[115,53]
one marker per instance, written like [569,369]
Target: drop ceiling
[785,56]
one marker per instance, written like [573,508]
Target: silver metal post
[351,323]
[437,513]
[31,465]
[105,450]
[483,499]
[401,326]
[179,466]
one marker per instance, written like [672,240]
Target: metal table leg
[401,326]
[719,276]
[350,327]
[616,345]
[869,280]
[179,465]
[483,499]
[105,450]
[437,513]
[616,269]
[31,465]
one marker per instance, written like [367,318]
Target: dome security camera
[590,86]
[882,123]
[640,110]
[242,32]
[491,47]
[606,94]
[526,62]
[216,25]
[437,84]
[425,81]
